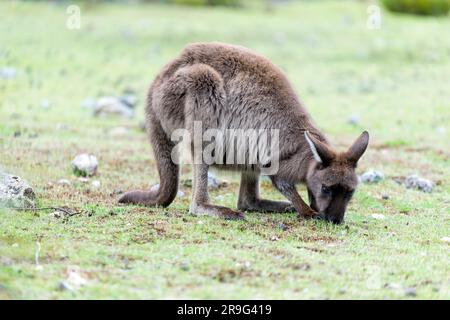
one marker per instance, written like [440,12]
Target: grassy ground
[395,79]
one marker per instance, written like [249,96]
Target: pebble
[371,176]
[85,165]
[378,216]
[410,292]
[64,286]
[55,214]
[274,238]
[74,278]
[113,106]
[416,182]
[95,184]
[213,182]
[15,192]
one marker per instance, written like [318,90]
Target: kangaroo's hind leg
[200,204]
[249,196]
[168,171]
[204,101]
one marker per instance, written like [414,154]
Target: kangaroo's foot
[216,211]
[262,205]
[140,197]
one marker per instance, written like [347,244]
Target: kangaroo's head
[331,179]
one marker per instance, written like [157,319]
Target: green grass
[396,79]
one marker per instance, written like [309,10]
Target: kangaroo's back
[256,93]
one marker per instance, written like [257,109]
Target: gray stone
[113,106]
[129,99]
[55,214]
[64,286]
[85,165]
[410,292]
[371,176]
[213,182]
[95,184]
[15,192]
[416,182]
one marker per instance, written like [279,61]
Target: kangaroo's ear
[358,148]
[321,152]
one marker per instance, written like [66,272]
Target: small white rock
[445,239]
[95,184]
[113,105]
[74,278]
[85,164]
[55,214]
[371,176]
[378,216]
[15,192]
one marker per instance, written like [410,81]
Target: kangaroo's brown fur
[226,86]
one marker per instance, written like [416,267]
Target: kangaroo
[228,86]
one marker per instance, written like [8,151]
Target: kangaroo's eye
[326,191]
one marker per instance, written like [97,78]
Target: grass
[395,79]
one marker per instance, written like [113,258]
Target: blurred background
[74,77]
